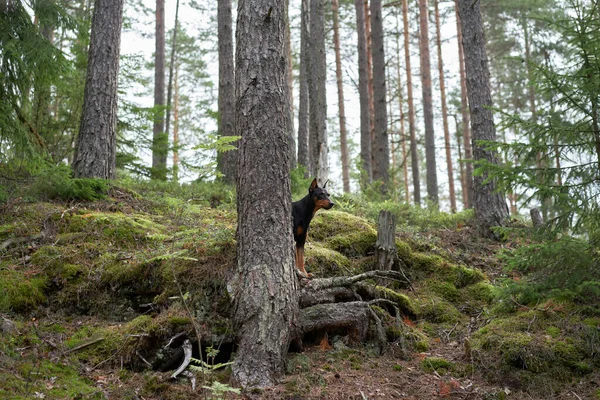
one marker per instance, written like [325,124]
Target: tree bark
[176,124]
[303,95]
[263,287]
[171,66]
[370,81]
[490,205]
[290,86]
[227,161]
[340,87]
[363,92]
[385,247]
[381,148]
[430,162]
[95,151]
[464,110]
[414,155]
[402,115]
[318,96]
[444,110]
[160,140]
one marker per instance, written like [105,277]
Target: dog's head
[320,196]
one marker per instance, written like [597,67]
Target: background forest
[120,194]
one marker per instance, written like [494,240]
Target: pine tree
[381,150]
[363,92]
[160,140]
[264,284]
[489,203]
[95,152]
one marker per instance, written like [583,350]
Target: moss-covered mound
[538,349]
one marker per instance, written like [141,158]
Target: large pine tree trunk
[414,155]
[95,152]
[464,111]
[363,92]
[430,162]
[160,140]
[318,98]
[303,99]
[227,162]
[444,109]
[381,148]
[340,87]
[264,284]
[490,206]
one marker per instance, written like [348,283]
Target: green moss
[331,223]
[445,290]
[50,379]
[437,364]
[481,291]
[553,331]
[116,227]
[21,291]
[353,244]
[322,261]
[403,302]
[437,310]
[422,345]
[345,233]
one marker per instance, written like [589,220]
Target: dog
[303,212]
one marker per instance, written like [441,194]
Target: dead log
[385,247]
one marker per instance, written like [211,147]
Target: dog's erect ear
[313,185]
[325,185]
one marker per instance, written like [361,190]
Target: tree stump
[385,247]
[536,218]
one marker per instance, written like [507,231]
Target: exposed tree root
[344,303]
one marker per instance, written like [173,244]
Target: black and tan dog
[303,212]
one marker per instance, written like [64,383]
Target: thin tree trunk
[363,91]
[463,180]
[401,107]
[318,99]
[340,87]
[290,86]
[303,96]
[160,141]
[263,287]
[430,162]
[227,161]
[370,83]
[414,156]
[464,110]
[171,66]
[95,152]
[176,125]
[444,110]
[381,149]
[490,205]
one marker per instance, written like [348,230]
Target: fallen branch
[338,281]
[187,351]
[84,345]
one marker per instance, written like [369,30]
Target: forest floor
[91,294]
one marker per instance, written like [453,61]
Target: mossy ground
[96,297]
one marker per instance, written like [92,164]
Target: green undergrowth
[539,349]
[128,259]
